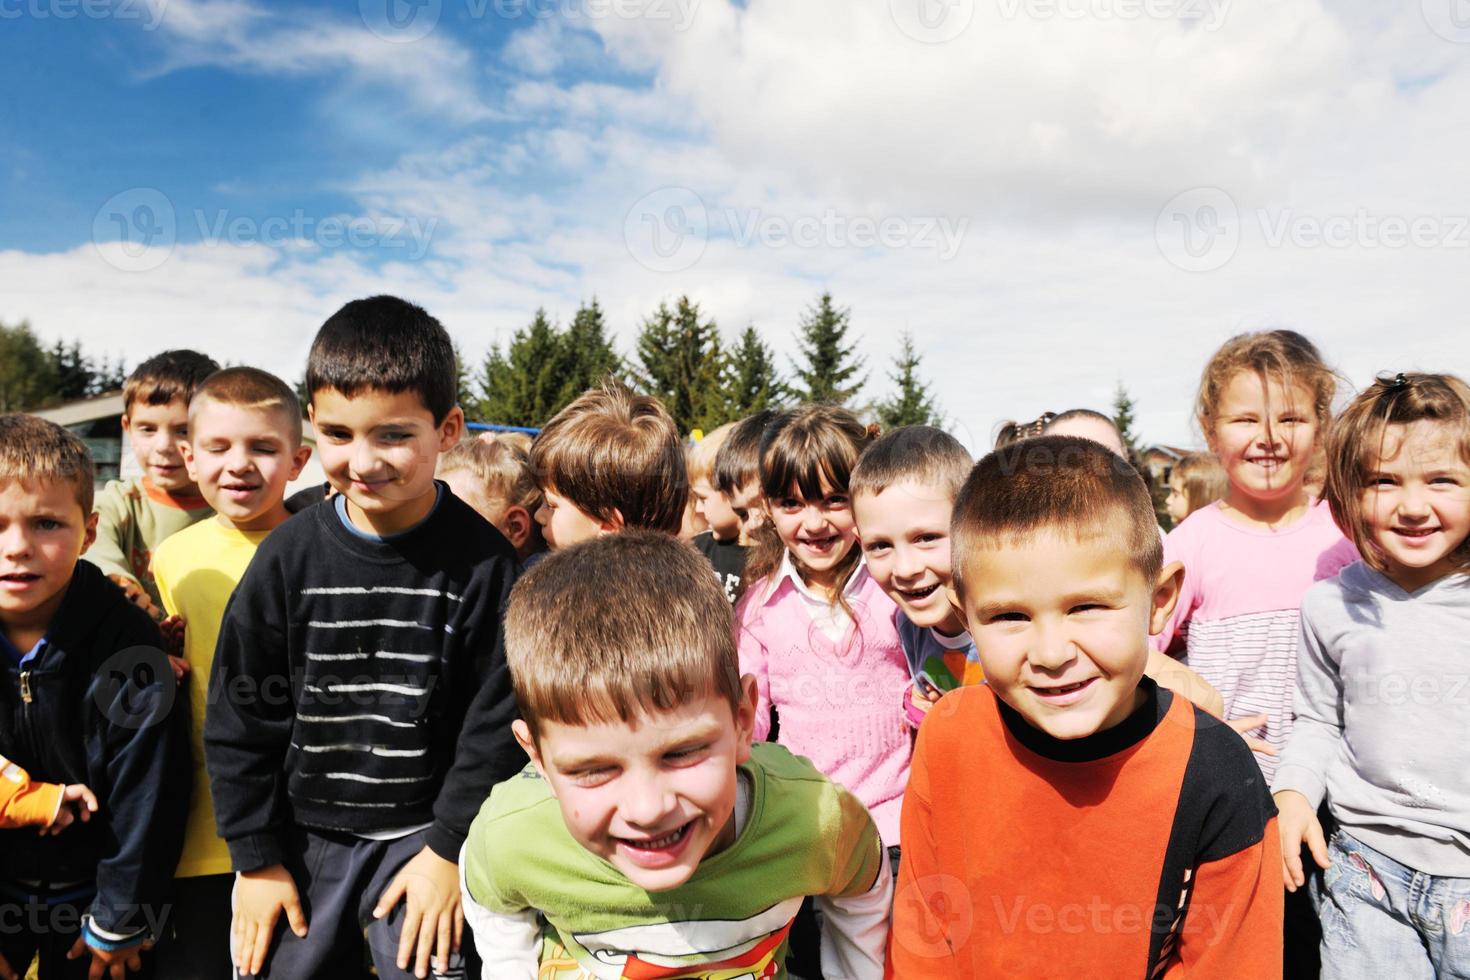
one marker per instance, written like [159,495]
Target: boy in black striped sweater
[360,707]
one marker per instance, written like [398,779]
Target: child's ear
[298,461]
[186,450]
[90,537]
[745,717]
[522,732]
[127,424]
[1166,595]
[451,429]
[614,522]
[517,522]
[958,605]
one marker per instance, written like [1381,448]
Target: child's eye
[47,524]
[837,500]
[1086,607]
[741,513]
[930,538]
[687,755]
[874,547]
[1009,617]
[591,777]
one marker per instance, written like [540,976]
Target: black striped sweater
[360,685]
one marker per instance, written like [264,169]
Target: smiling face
[242,458]
[818,533]
[379,450]
[654,796]
[42,533]
[1416,498]
[1062,627]
[1264,433]
[154,433]
[904,531]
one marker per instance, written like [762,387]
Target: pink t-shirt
[840,701]
[1239,612]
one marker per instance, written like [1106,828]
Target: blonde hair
[33,449]
[498,465]
[702,454]
[613,450]
[1355,444]
[1282,355]
[650,630]
[251,388]
[1203,480]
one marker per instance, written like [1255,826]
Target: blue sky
[1050,195]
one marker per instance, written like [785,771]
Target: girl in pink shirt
[814,628]
[1264,401]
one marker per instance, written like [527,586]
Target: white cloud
[1054,141]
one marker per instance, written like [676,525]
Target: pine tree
[830,371]
[681,363]
[588,353]
[912,403]
[521,385]
[1123,417]
[27,372]
[751,382]
[465,396]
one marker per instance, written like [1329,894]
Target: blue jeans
[1383,919]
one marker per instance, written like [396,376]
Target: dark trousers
[339,878]
[41,922]
[197,937]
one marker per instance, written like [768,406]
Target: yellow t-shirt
[196,570]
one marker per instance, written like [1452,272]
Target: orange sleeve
[23,802]
[1233,926]
[919,944]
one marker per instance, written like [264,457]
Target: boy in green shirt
[135,515]
[648,837]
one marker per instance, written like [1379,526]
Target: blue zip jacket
[96,703]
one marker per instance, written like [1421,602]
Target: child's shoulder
[125,493]
[1224,788]
[97,613]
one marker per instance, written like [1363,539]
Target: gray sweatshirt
[1383,715]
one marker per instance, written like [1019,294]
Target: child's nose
[648,804]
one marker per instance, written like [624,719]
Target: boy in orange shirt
[1127,832]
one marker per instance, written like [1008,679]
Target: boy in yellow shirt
[244,446]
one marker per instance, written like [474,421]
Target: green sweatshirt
[133,516]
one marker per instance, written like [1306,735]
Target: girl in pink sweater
[814,628]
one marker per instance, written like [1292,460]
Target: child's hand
[77,803]
[137,596]
[172,629]
[434,920]
[1298,822]
[260,897]
[923,700]
[1250,723]
[112,965]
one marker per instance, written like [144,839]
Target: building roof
[84,409]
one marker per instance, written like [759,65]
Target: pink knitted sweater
[841,703]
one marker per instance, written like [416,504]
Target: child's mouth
[916,595]
[1415,533]
[656,852]
[820,544]
[19,580]
[1063,694]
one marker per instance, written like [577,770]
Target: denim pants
[1384,919]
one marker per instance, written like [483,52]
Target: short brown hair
[1058,483]
[163,378]
[739,460]
[500,465]
[703,453]
[613,450]
[618,625]
[1356,439]
[252,388]
[1203,479]
[1282,355]
[917,453]
[32,448]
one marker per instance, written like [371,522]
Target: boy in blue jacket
[86,697]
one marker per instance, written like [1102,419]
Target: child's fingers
[260,945]
[408,935]
[77,948]
[295,917]
[458,928]
[1317,844]
[1291,865]
[428,926]
[1259,745]
[391,896]
[443,947]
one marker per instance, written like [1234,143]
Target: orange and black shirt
[1145,851]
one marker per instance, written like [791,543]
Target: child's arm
[855,913]
[110,551]
[921,945]
[142,737]
[1233,924]
[24,802]
[508,943]
[752,654]
[1170,673]
[1301,779]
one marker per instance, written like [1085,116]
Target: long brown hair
[1282,355]
[1355,443]
[807,449]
